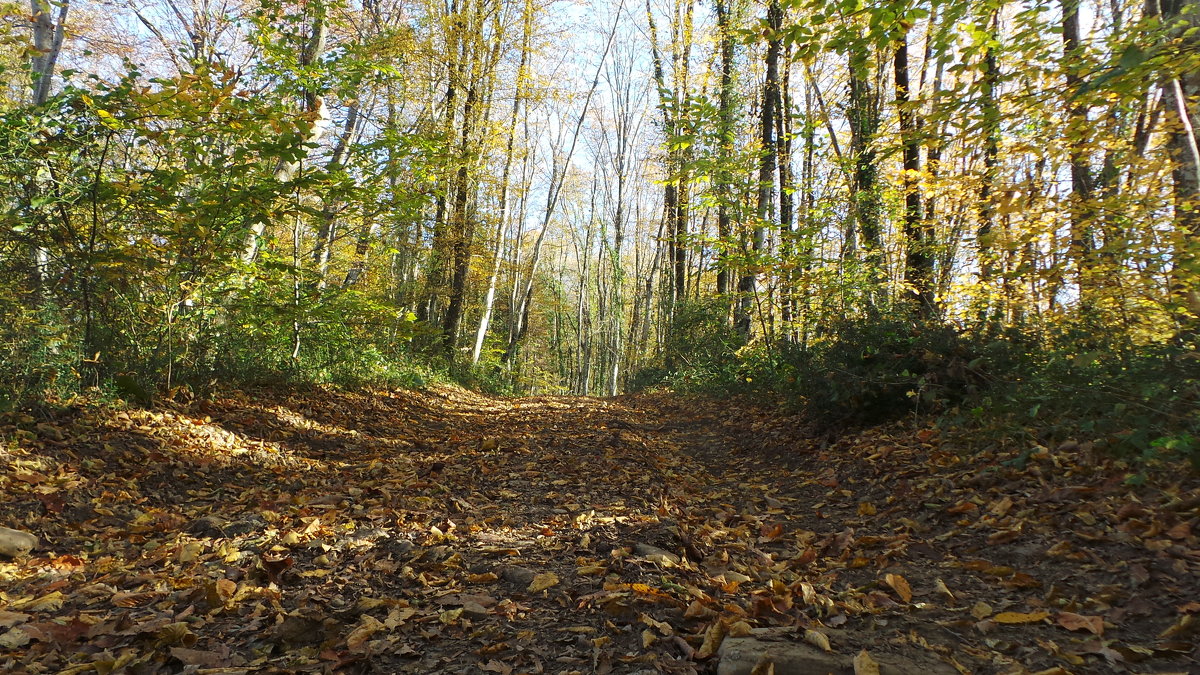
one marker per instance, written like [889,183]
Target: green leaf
[1131,58]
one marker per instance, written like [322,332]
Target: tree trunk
[726,136]
[47,45]
[502,221]
[766,167]
[990,113]
[557,178]
[863,120]
[314,106]
[918,267]
[1077,133]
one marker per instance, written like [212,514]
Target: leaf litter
[446,531]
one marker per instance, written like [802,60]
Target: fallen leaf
[900,585]
[542,581]
[738,629]
[1020,617]
[1072,621]
[713,637]
[648,638]
[817,639]
[865,665]
[367,626]
[14,638]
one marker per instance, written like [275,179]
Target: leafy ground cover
[446,531]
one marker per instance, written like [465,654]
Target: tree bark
[314,107]
[918,267]
[47,45]
[502,221]
[1077,132]
[766,167]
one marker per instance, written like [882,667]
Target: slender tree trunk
[1077,132]
[863,120]
[47,45]
[502,220]
[990,113]
[918,268]
[326,234]
[787,204]
[314,106]
[557,178]
[766,167]
[464,229]
[726,131]
[435,268]
[934,142]
[1181,99]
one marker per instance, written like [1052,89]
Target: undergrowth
[1020,387]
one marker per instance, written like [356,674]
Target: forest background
[982,210]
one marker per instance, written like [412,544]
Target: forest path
[446,531]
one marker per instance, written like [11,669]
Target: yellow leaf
[866,509]
[648,638]
[945,590]
[765,666]
[46,603]
[900,585]
[981,610]
[485,578]
[817,639]
[190,551]
[865,665]
[713,637]
[738,629]
[1020,617]
[398,616]
[543,581]
[450,616]
[367,627]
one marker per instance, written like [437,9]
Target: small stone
[517,576]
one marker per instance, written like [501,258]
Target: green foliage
[702,342]
[127,213]
[38,358]
[865,371]
[1022,386]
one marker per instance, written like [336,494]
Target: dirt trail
[444,531]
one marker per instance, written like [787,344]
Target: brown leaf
[9,619]
[900,585]
[367,626]
[1073,621]
[1003,537]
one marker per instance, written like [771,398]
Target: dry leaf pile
[444,531]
